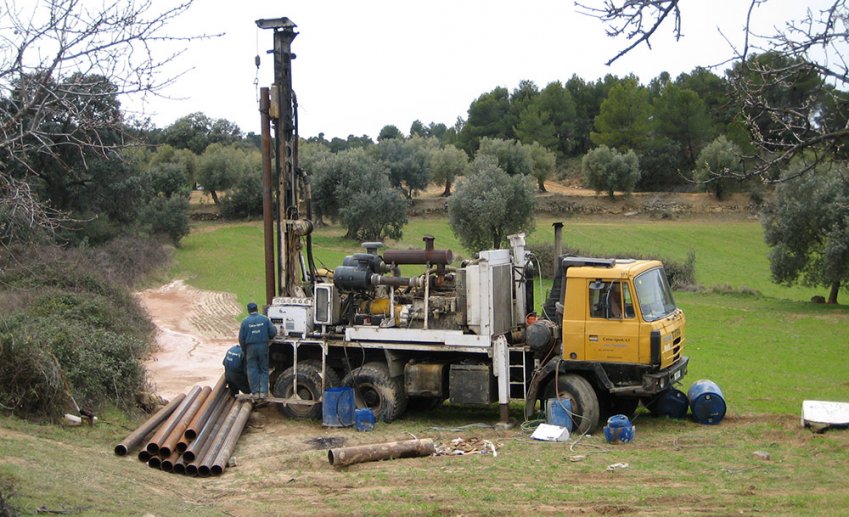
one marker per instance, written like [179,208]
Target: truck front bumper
[654,383]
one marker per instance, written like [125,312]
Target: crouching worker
[235,373]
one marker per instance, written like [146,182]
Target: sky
[363,64]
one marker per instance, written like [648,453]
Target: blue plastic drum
[671,403]
[364,419]
[337,407]
[559,412]
[619,430]
[706,402]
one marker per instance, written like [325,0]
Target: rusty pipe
[205,467]
[232,438]
[144,456]
[169,445]
[558,244]
[426,256]
[205,410]
[135,438]
[155,462]
[193,468]
[191,452]
[344,456]
[167,464]
[180,466]
[168,426]
[267,208]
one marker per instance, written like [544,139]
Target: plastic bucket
[559,412]
[337,408]
[364,419]
[706,402]
[619,429]
[672,403]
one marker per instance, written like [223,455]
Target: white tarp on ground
[821,413]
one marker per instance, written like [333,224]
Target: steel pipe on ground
[232,438]
[344,456]
[193,451]
[191,435]
[135,438]
[155,462]
[204,412]
[167,464]
[168,426]
[193,468]
[205,468]
[170,444]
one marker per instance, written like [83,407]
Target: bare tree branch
[64,67]
[628,19]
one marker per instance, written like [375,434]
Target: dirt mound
[194,330]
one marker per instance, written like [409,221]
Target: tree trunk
[214,196]
[832,296]
[541,185]
[447,191]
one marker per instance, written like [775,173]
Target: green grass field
[767,352]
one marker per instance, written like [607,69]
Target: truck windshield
[654,294]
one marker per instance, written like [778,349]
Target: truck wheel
[309,388]
[585,407]
[375,389]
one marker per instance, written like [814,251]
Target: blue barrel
[672,403]
[337,408]
[559,412]
[364,419]
[619,430]
[706,402]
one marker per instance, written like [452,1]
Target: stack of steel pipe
[194,434]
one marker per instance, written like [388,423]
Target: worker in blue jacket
[235,374]
[254,334]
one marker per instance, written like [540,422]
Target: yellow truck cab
[621,337]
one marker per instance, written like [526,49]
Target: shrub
[168,216]
[67,317]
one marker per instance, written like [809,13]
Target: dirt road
[194,330]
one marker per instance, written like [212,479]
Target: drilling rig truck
[609,333]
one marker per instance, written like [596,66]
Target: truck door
[612,330]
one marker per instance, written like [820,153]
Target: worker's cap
[252,307]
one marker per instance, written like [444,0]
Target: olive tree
[447,163]
[543,164]
[718,166]
[608,170]
[513,157]
[807,227]
[220,167]
[353,187]
[489,205]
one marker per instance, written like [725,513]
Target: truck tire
[309,388]
[375,389]
[585,406]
